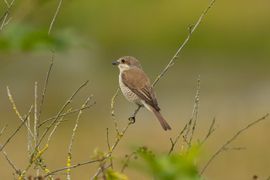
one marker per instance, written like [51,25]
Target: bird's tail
[162,121]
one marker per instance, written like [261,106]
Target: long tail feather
[162,121]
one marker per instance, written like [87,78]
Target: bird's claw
[132,120]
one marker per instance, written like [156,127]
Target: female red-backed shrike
[135,86]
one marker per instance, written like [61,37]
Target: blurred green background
[230,51]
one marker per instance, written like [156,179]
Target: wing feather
[138,82]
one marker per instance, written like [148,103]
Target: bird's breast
[129,95]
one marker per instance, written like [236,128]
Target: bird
[136,87]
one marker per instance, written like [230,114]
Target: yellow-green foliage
[179,166]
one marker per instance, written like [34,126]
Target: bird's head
[127,62]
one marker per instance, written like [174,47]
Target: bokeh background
[230,52]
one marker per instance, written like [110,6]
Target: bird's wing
[138,82]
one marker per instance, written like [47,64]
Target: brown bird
[136,87]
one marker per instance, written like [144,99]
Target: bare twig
[74,166]
[5,22]
[108,139]
[60,112]
[126,162]
[99,171]
[120,135]
[6,3]
[67,113]
[175,141]
[35,114]
[29,138]
[109,146]
[102,169]
[73,136]
[5,15]
[45,86]
[195,113]
[225,146]
[54,16]
[10,97]
[76,125]
[113,111]
[3,129]
[234,148]
[113,101]
[210,131]
[17,171]
[17,130]
[55,127]
[190,125]
[36,154]
[191,31]
[106,156]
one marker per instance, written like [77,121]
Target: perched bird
[136,87]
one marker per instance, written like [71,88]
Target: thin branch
[29,138]
[195,113]
[60,112]
[210,131]
[6,3]
[224,146]
[175,141]
[5,22]
[46,82]
[106,156]
[73,137]
[67,113]
[74,166]
[17,130]
[3,129]
[108,139]
[17,171]
[191,31]
[113,111]
[120,135]
[109,146]
[126,162]
[55,127]
[54,16]
[10,97]
[6,13]
[102,169]
[39,153]
[99,171]
[35,114]
[188,126]
[76,125]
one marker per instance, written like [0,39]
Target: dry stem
[60,112]
[54,16]
[176,55]
[10,97]
[16,130]
[225,146]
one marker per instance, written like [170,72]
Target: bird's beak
[115,63]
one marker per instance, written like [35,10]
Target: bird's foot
[132,119]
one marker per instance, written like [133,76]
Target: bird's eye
[123,61]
